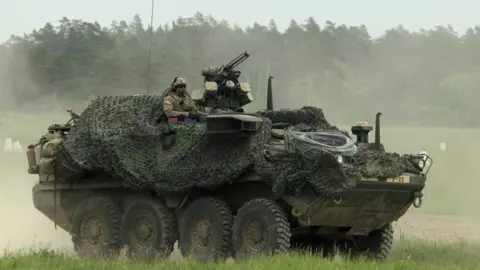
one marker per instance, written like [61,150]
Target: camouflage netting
[312,160]
[288,171]
[122,135]
[307,117]
[368,162]
[292,164]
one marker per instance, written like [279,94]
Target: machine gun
[223,90]
[64,128]
[226,72]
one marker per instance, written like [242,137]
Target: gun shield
[244,95]
[211,87]
[198,96]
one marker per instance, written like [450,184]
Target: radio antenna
[150,47]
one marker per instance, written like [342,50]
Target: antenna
[150,48]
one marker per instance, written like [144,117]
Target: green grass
[406,255]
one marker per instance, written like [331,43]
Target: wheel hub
[201,233]
[143,231]
[255,235]
[92,230]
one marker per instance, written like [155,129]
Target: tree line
[428,77]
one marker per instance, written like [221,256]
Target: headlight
[340,159]
[422,162]
[230,84]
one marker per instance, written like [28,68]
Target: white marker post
[8,147]
[443,147]
[17,147]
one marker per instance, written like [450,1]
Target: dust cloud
[22,226]
[449,211]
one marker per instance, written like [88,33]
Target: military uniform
[177,101]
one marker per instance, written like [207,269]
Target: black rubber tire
[160,221]
[219,245]
[272,218]
[108,215]
[377,246]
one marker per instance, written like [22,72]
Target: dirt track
[439,228]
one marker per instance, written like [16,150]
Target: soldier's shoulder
[168,99]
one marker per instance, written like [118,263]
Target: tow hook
[337,199]
[417,199]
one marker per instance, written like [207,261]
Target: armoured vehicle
[227,183]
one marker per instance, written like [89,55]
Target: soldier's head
[179,85]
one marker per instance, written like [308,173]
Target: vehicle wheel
[260,227]
[377,246]
[148,228]
[96,228]
[206,230]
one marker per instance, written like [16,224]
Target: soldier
[177,101]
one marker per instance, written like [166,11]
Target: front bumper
[368,206]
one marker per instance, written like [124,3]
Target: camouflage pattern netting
[373,163]
[298,165]
[307,117]
[123,136]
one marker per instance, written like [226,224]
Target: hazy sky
[17,17]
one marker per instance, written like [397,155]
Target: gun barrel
[238,60]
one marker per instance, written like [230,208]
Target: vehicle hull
[360,210]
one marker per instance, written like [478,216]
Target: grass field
[450,209]
[406,255]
